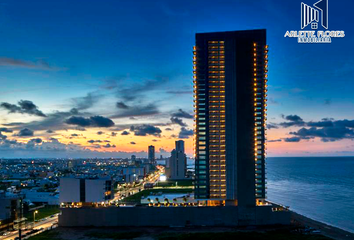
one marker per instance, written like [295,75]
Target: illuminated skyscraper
[230,85]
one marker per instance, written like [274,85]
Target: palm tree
[185,200]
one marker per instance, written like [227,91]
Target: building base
[172,216]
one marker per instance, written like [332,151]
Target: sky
[91,78]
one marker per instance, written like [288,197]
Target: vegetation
[271,235]
[114,235]
[178,183]
[42,212]
[47,235]
[137,197]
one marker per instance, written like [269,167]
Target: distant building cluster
[75,182]
[176,166]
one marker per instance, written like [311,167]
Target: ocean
[321,188]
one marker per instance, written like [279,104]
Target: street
[42,224]
[135,189]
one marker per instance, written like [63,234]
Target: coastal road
[42,224]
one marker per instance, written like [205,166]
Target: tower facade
[180,146]
[176,168]
[230,90]
[151,154]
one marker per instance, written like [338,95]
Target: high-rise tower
[177,163]
[151,154]
[230,90]
[180,146]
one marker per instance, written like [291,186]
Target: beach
[326,230]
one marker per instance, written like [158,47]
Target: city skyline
[107,83]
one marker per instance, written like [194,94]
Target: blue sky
[56,53]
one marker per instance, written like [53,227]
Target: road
[42,224]
[132,190]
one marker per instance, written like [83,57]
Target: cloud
[137,111]
[94,141]
[122,105]
[18,63]
[292,139]
[328,129]
[145,129]
[328,102]
[74,135]
[2,136]
[168,129]
[50,131]
[344,123]
[320,124]
[182,92]
[293,120]
[109,146]
[272,101]
[125,133]
[86,102]
[185,133]
[35,141]
[176,120]
[325,122]
[327,134]
[133,91]
[53,121]
[7,130]
[272,126]
[54,148]
[133,143]
[275,140]
[113,134]
[25,133]
[95,121]
[79,121]
[23,107]
[181,114]
[100,133]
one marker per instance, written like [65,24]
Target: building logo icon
[312,14]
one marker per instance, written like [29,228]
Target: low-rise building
[33,196]
[85,190]
[8,206]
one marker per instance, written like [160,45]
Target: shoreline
[326,230]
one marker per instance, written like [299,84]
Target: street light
[34,215]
